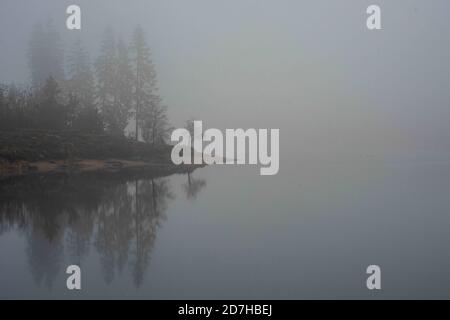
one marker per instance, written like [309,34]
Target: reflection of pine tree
[13,215]
[130,220]
[193,187]
[151,198]
[114,231]
[80,229]
[61,214]
[44,254]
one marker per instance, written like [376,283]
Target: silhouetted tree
[18,108]
[190,126]
[144,79]
[89,120]
[156,123]
[116,79]
[81,80]
[81,85]
[52,114]
[3,108]
[45,54]
[123,89]
[105,67]
[124,84]
[6,118]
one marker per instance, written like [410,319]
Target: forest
[70,91]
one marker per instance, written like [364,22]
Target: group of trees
[116,90]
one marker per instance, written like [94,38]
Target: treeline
[70,92]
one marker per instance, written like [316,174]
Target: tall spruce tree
[118,113]
[150,114]
[105,67]
[81,87]
[144,79]
[3,109]
[156,123]
[45,54]
[81,80]
[51,114]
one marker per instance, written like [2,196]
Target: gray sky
[310,68]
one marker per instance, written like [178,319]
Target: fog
[363,118]
[310,68]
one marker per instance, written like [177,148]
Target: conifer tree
[81,80]
[45,54]
[144,79]
[118,113]
[150,114]
[105,67]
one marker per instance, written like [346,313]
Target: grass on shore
[32,146]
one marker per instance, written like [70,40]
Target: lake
[225,232]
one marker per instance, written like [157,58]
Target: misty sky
[310,68]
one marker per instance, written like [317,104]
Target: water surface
[226,232]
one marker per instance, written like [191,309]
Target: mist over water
[226,232]
[310,68]
[364,157]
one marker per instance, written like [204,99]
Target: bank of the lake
[31,151]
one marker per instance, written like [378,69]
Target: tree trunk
[137,100]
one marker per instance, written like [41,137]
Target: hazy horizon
[364,153]
[310,68]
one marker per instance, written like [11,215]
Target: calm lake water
[226,232]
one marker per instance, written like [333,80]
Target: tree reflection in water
[67,215]
[193,186]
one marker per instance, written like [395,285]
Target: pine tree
[3,109]
[117,114]
[81,80]
[19,108]
[106,71]
[81,86]
[51,113]
[156,122]
[144,79]
[150,114]
[124,85]
[12,107]
[45,54]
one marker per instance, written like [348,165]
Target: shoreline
[22,168]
